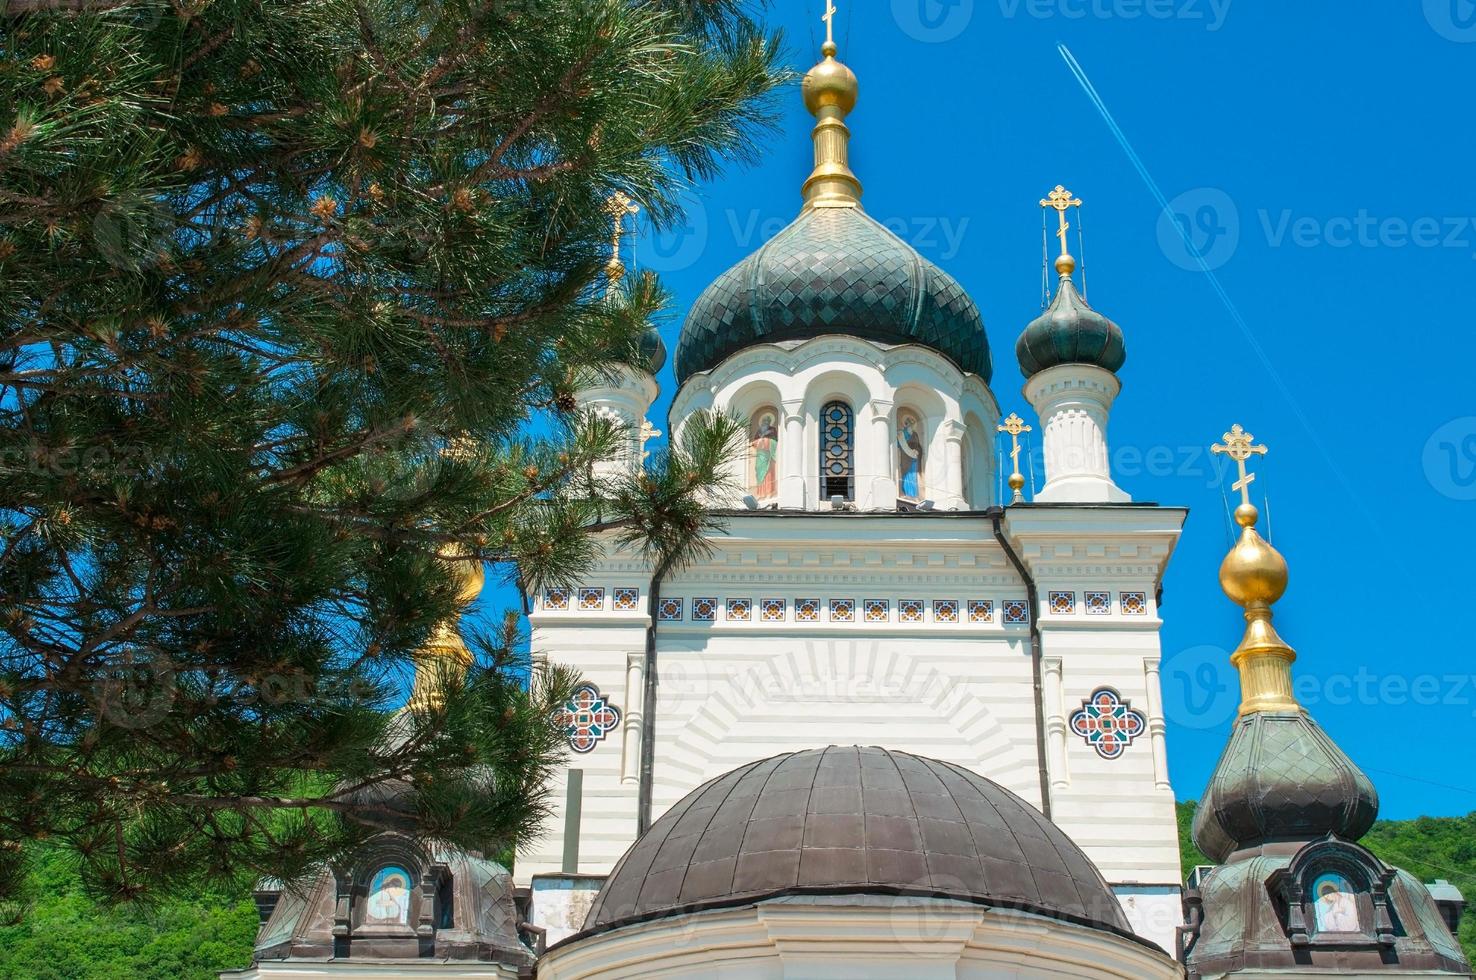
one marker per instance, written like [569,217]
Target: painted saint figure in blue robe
[909,457]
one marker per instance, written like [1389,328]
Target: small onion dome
[1282,778]
[653,351]
[1070,332]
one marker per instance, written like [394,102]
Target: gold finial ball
[830,83]
[1253,572]
[1017,482]
[1066,265]
[1246,515]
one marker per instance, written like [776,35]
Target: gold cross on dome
[1240,446]
[1062,201]
[829,19]
[1015,425]
[618,207]
[648,432]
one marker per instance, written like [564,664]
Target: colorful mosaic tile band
[807,610]
[592,600]
[773,610]
[842,610]
[1108,723]
[627,600]
[945,610]
[739,610]
[587,718]
[704,610]
[878,610]
[911,610]
[556,599]
[1099,603]
[1063,603]
[981,610]
[1135,603]
[1016,611]
[671,610]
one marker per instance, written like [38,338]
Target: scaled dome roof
[834,270]
[854,820]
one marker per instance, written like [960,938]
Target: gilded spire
[1062,201]
[445,654]
[1254,575]
[830,91]
[618,207]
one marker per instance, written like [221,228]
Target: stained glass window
[837,451]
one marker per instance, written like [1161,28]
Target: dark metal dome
[854,820]
[1070,332]
[834,271]
[1282,778]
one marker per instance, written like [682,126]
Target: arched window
[763,454]
[837,452]
[911,456]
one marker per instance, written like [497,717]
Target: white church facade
[897,721]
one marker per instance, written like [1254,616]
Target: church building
[895,722]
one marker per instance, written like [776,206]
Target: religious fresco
[763,454]
[910,462]
[1335,905]
[389,897]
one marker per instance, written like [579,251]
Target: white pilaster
[951,494]
[792,452]
[635,687]
[1074,402]
[1055,722]
[1157,727]
[876,481]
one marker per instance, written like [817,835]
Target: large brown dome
[853,820]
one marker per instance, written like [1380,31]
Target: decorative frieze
[876,610]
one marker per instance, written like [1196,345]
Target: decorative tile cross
[587,717]
[1108,723]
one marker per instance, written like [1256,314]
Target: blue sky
[1319,153]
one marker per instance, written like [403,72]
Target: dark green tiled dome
[1070,332]
[833,271]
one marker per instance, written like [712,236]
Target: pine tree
[261,265]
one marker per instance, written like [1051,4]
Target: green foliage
[295,298]
[69,936]
[1429,848]
[1190,857]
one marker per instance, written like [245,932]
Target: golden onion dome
[830,84]
[1253,572]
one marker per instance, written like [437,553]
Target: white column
[1073,402]
[792,494]
[950,492]
[876,478]
[625,401]
[635,696]
[1055,724]
[1156,724]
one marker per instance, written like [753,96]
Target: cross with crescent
[829,19]
[1062,201]
[1240,446]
